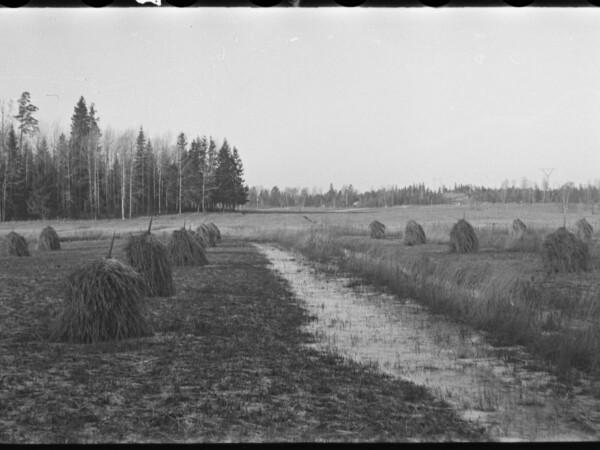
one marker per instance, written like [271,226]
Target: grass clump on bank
[563,252]
[16,245]
[463,238]
[48,240]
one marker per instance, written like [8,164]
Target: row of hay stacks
[561,251]
[16,245]
[104,299]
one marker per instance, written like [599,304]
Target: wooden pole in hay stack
[463,238]
[563,252]
[584,230]
[150,258]
[414,234]
[185,250]
[16,245]
[48,240]
[103,302]
[377,230]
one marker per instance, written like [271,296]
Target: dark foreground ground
[226,363]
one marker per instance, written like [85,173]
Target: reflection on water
[489,385]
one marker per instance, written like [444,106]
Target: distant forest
[419,194]
[89,173]
[94,173]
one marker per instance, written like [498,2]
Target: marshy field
[302,327]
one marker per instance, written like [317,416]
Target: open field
[227,362]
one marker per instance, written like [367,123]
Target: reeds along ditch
[16,245]
[48,240]
[184,249]
[103,302]
[485,293]
[149,257]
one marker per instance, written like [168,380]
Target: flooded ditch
[495,387]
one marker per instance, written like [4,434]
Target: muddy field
[228,361]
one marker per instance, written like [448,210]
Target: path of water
[495,387]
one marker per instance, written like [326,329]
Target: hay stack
[200,237]
[584,230]
[16,245]
[377,229]
[463,238]
[184,249]
[518,229]
[562,251]
[209,235]
[103,302]
[414,234]
[48,240]
[216,230]
[149,257]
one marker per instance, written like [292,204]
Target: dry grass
[48,240]
[103,302]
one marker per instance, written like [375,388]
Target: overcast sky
[369,97]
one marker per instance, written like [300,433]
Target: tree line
[418,194]
[94,173]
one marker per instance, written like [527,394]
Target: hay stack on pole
[209,235]
[216,231]
[377,230]
[103,302]
[564,252]
[16,245]
[584,230]
[149,257]
[414,234]
[185,250]
[518,229]
[463,238]
[48,240]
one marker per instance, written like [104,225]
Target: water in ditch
[495,387]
